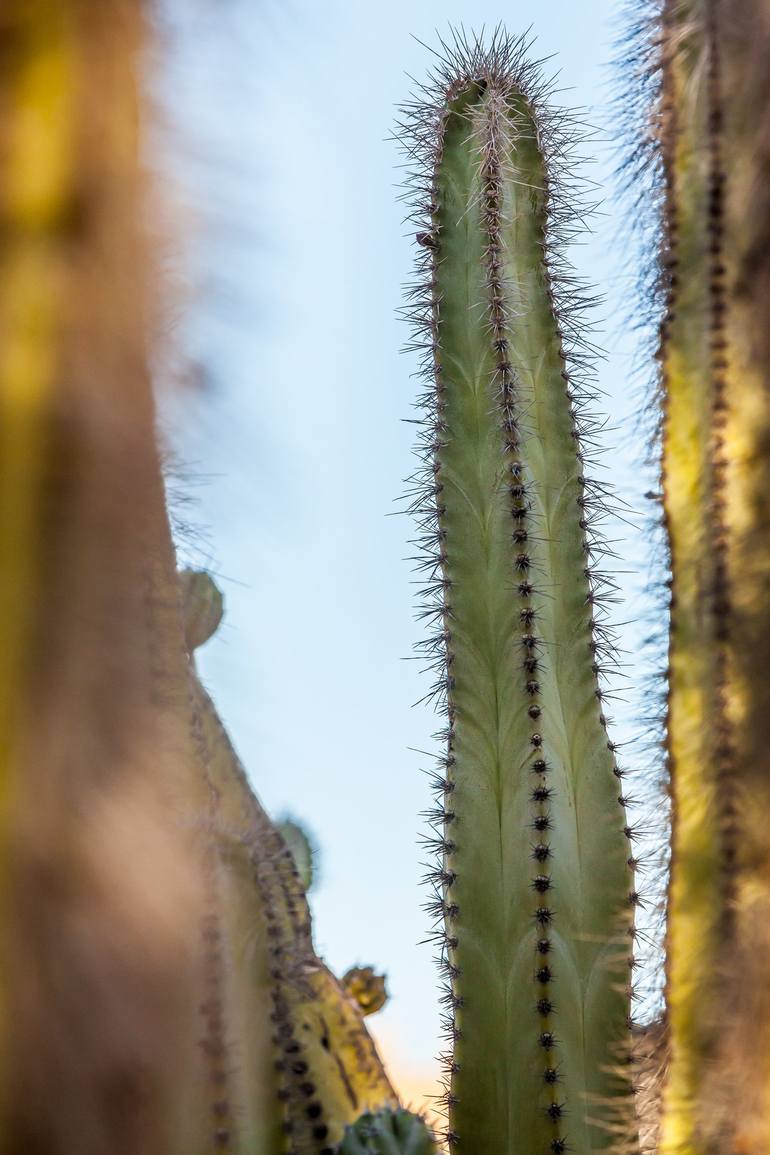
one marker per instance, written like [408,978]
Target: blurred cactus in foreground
[161,992]
[713,103]
[367,987]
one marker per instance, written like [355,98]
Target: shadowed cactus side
[534,883]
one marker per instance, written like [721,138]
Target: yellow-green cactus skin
[534,886]
[388,1133]
[711,123]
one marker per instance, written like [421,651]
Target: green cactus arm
[388,1133]
[534,881]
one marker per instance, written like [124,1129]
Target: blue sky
[294,437]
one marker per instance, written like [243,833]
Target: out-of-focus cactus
[712,126]
[699,737]
[321,1069]
[367,987]
[202,606]
[534,885]
[388,1133]
[100,879]
[327,1071]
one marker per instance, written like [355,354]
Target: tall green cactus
[535,887]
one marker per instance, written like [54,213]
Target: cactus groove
[534,886]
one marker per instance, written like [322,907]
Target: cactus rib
[533,883]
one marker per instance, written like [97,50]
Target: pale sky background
[278,118]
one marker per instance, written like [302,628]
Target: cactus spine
[534,882]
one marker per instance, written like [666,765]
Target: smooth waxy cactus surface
[533,882]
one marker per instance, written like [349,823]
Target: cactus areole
[534,890]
